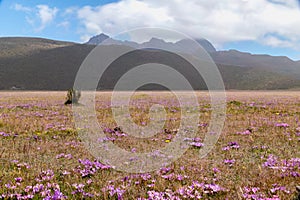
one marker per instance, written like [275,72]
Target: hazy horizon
[258,27]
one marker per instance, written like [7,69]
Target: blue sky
[17,22]
[255,26]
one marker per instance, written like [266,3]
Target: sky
[255,26]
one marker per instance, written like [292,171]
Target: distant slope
[279,64]
[41,64]
[51,69]
[20,46]
[236,77]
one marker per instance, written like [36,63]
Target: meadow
[256,157]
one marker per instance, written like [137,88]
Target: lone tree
[72,96]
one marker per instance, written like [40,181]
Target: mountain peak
[185,44]
[98,39]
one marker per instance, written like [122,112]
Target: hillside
[280,64]
[22,46]
[41,64]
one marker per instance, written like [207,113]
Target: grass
[256,157]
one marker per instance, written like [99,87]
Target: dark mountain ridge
[42,64]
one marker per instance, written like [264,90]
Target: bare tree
[72,96]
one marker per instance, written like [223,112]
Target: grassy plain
[256,157]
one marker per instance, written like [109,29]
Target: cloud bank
[270,22]
[39,17]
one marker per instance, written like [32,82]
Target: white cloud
[19,7]
[276,42]
[70,10]
[218,21]
[46,15]
[39,17]
[64,24]
[115,17]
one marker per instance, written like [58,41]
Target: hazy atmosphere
[150,100]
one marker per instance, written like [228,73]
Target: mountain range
[43,64]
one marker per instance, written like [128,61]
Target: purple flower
[145,177]
[168,177]
[58,195]
[45,176]
[215,170]
[231,145]
[78,186]
[4,134]
[108,130]
[65,172]
[229,162]
[165,170]
[234,145]
[180,177]
[226,148]
[115,191]
[62,155]
[287,167]
[271,161]
[196,144]
[277,187]
[37,188]
[23,165]
[203,125]
[196,190]
[18,179]
[252,104]
[246,132]
[89,168]
[212,188]
[284,125]
[255,189]
[28,188]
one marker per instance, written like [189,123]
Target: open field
[256,157]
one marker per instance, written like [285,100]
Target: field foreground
[256,157]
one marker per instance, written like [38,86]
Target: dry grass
[36,127]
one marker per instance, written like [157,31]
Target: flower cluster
[79,189]
[198,190]
[229,162]
[88,168]
[194,142]
[114,192]
[62,155]
[231,145]
[44,188]
[253,193]
[290,167]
